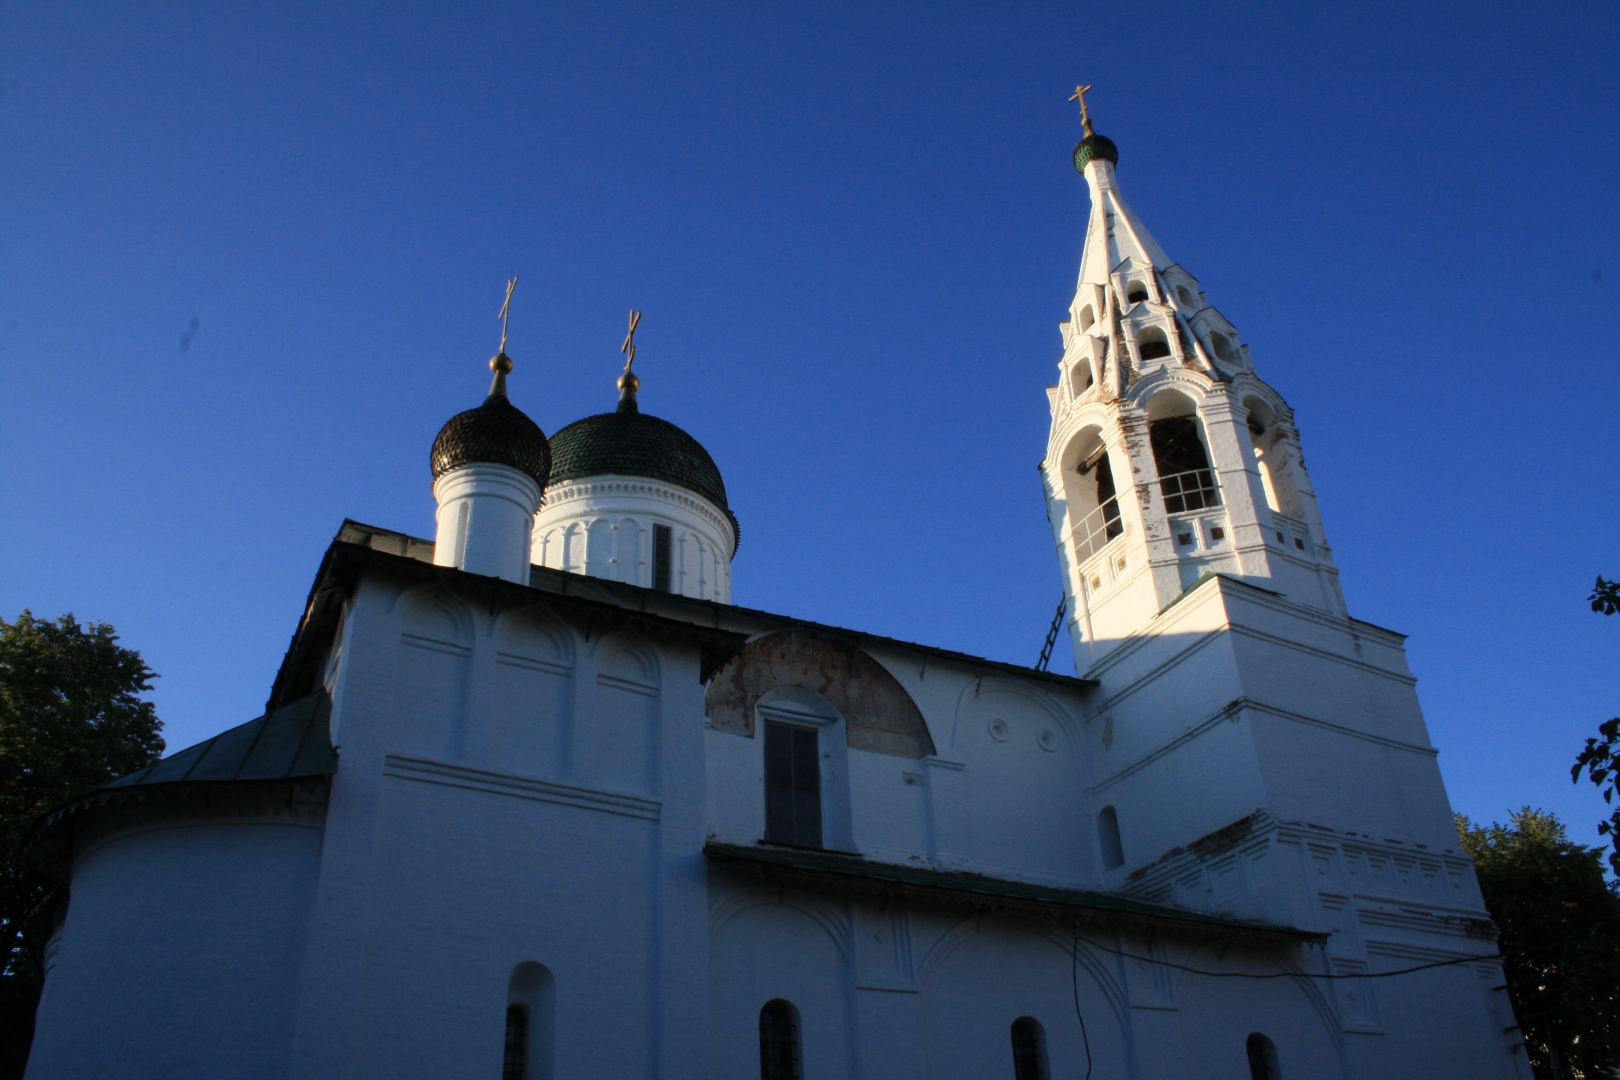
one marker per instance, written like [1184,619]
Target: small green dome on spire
[1094,146]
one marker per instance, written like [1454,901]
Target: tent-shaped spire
[1114,232]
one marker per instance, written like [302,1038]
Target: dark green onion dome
[496,432]
[631,443]
[1095,146]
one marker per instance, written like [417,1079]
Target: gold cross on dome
[505,307]
[629,346]
[1079,95]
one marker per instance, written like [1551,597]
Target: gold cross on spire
[505,306]
[629,346]
[1079,95]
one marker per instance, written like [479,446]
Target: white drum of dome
[485,515]
[639,530]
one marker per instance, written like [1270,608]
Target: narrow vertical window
[1113,852]
[779,1041]
[661,558]
[515,1065]
[792,785]
[531,1023]
[1029,1049]
[1263,1058]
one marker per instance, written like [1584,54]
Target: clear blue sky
[853,229]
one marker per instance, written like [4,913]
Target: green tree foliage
[1598,759]
[1605,597]
[1559,920]
[70,721]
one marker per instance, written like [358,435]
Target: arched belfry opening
[1081,378]
[1185,478]
[1152,344]
[1282,493]
[1093,495]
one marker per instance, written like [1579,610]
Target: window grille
[515,1065]
[779,1042]
[1193,490]
[1100,526]
[661,574]
[1096,529]
[1029,1051]
[792,785]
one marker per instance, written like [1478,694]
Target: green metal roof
[292,741]
[289,744]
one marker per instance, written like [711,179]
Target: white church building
[535,799]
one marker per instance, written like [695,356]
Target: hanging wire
[1074,981]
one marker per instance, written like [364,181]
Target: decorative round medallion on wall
[999,730]
[1048,739]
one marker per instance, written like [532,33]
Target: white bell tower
[1252,747]
[1168,458]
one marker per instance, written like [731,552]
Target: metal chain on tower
[1052,634]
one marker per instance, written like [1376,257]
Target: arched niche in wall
[879,715]
[431,677]
[529,729]
[627,714]
[432,614]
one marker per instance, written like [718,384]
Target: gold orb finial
[500,363]
[628,382]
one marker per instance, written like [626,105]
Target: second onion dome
[496,432]
[490,467]
[633,498]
